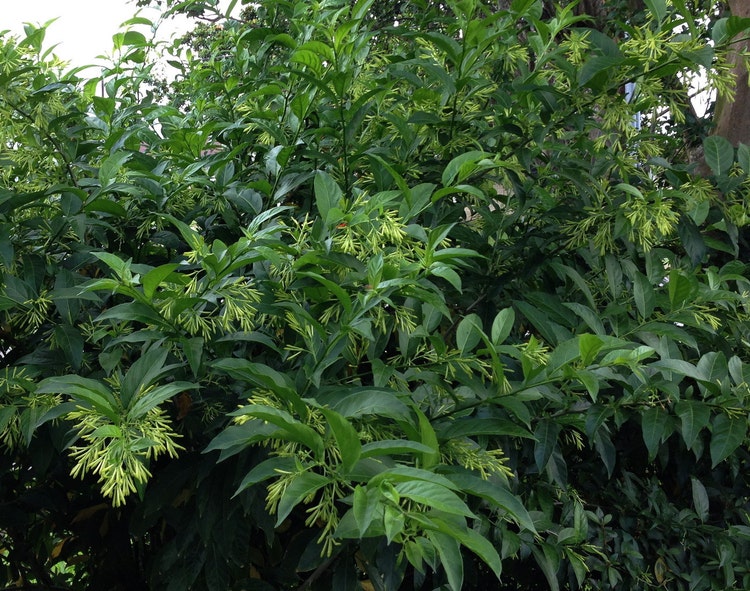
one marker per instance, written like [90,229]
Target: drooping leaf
[546,434]
[303,486]
[727,434]
[654,428]
[694,416]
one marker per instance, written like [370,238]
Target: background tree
[375,305]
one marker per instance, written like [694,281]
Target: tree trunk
[733,116]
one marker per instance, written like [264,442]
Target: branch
[318,571]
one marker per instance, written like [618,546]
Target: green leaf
[653,427]
[290,428]
[495,494]
[468,333]
[119,266]
[429,439]
[546,434]
[357,402]
[328,196]
[144,372]
[464,165]
[302,486]
[526,8]
[548,559]
[70,340]
[482,547]
[589,346]
[449,549]
[719,154]
[448,274]
[700,498]
[91,391]
[365,504]
[502,325]
[694,416]
[341,295]
[435,496]
[193,351]
[726,29]
[263,376]
[155,277]
[154,397]
[645,297]
[347,438]
[727,434]
[111,165]
[713,366]
[595,72]
[470,426]
[393,521]
[658,9]
[588,315]
[394,447]
[267,469]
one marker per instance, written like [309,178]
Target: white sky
[83,29]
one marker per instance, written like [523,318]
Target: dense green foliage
[360,305]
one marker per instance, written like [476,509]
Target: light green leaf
[154,278]
[658,9]
[347,438]
[328,196]
[365,504]
[502,325]
[468,333]
[464,165]
[448,274]
[111,166]
[588,347]
[429,438]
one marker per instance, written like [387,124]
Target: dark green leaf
[694,416]
[727,434]
[719,154]
[700,498]
[303,486]
[546,434]
[654,428]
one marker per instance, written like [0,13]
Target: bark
[732,117]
